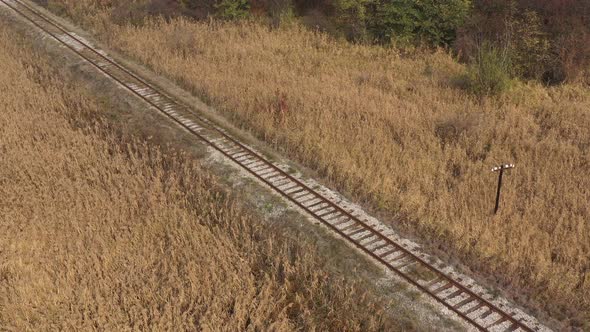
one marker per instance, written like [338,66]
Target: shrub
[232,9]
[432,21]
[531,58]
[407,21]
[489,72]
[398,19]
[351,16]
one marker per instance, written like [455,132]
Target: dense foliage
[431,21]
[232,9]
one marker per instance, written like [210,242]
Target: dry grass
[102,234]
[399,133]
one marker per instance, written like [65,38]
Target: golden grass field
[99,233]
[397,132]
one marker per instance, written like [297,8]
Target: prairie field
[398,132]
[99,231]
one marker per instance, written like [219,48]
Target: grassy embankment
[399,133]
[102,233]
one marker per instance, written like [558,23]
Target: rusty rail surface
[460,299]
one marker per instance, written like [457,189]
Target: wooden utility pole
[501,169]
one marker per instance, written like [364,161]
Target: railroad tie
[380,246]
[357,231]
[442,288]
[249,163]
[261,170]
[292,185]
[330,210]
[291,190]
[351,226]
[409,262]
[513,327]
[299,193]
[377,239]
[315,204]
[267,173]
[281,183]
[454,294]
[238,155]
[400,256]
[389,252]
[307,200]
[253,166]
[499,321]
[364,237]
[276,175]
[475,308]
[464,302]
[342,221]
[433,282]
[486,314]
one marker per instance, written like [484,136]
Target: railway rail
[448,291]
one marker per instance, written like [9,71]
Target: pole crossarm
[502,167]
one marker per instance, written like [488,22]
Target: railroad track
[448,291]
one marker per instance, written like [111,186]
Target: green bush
[232,9]
[490,71]
[408,21]
[434,22]
[396,19]
[351,18]
[531,47]
[279,11]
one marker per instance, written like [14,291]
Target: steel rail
[243,157]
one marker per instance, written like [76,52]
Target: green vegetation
[530,47]
[402,22]
[490,71]
[433,22]
[232,9]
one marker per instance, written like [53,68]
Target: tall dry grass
[99,233]
[399,133]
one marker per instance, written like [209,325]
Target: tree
[408,21]
[351,17]
[232,9]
